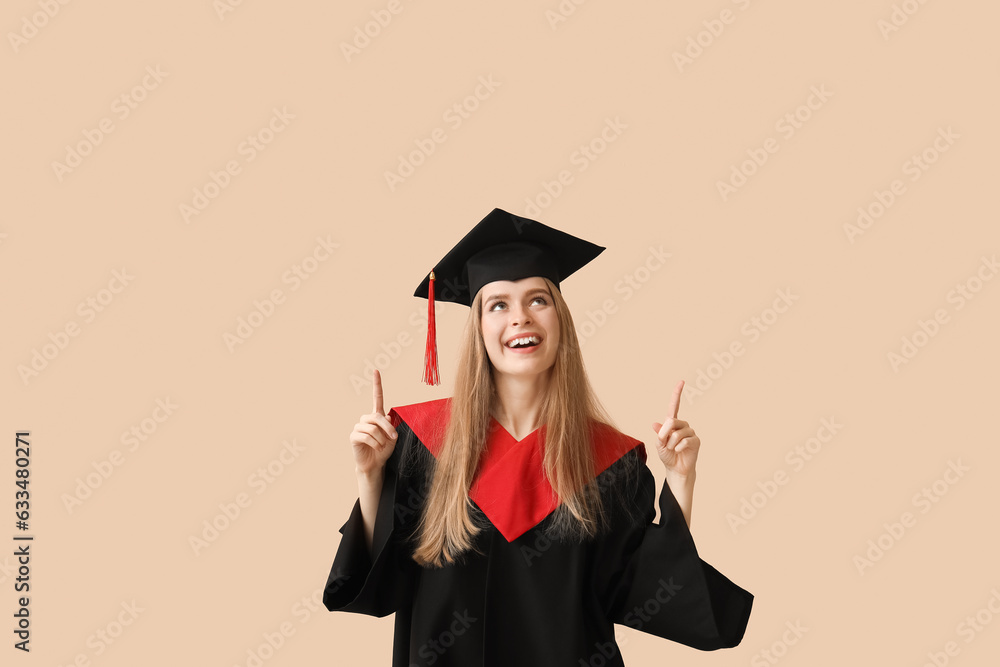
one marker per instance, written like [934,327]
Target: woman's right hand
[374,437]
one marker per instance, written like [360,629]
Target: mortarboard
[503,246]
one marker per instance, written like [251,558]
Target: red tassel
[430,350]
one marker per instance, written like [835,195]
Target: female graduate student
[512,523]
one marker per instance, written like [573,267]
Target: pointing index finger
[377,390]
[675,400]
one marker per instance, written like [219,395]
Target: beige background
[298,376]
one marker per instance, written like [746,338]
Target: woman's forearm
[683,490]
[369,490]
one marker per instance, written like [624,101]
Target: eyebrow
[535,290]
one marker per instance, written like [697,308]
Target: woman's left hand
[677,445]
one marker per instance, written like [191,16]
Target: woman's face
[520,313]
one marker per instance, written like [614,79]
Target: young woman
[512,524]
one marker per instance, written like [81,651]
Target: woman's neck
[519,402]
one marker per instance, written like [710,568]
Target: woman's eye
[496,304]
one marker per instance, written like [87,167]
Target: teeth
[524,341]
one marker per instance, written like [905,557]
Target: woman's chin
[526,367]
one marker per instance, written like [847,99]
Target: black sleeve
[657,583]
[376,585]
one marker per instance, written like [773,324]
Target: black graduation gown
[527,599]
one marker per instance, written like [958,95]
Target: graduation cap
[503,246]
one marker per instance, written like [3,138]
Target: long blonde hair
[446,528]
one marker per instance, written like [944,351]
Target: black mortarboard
[503,246]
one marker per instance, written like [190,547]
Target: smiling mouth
[523,342]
